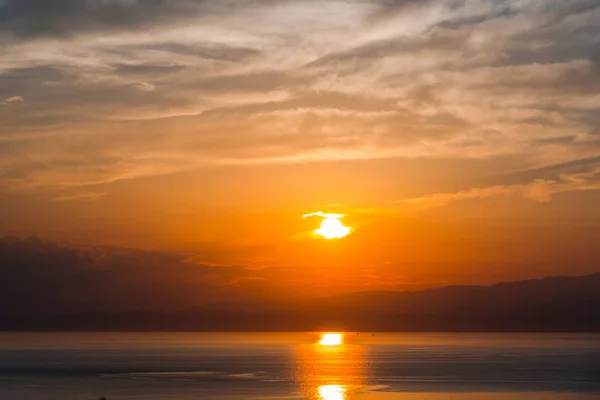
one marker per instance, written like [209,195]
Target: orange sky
[461,143]
[251,218]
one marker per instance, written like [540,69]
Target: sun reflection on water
[332,392]
[331,339]
[331,369]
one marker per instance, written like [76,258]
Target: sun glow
[331,227]
[331,339]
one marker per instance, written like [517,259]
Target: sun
[331,339]
[331,227]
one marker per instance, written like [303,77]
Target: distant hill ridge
[555,304]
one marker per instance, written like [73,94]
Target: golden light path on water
[332,392]
[331,369]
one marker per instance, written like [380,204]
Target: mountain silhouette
[556,304]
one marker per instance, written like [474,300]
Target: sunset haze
[170,149]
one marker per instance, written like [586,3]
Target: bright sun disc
[331,339]
[331,227]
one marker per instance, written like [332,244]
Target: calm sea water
[205,366]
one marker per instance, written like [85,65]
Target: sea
[247,366]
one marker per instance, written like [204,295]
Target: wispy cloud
[254,82]
[87,196]
[12,100]
[540,190]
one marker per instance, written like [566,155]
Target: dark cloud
[591,118]
[147,71]
[253,82]
[21,170]
[60,97]
[39,277]
[207,50]
[33,18]
[29,79]
[552,172]
[194,51]
[560,10]
[453,33]
[557,46]
[389,8]
[554,140]
[433,41]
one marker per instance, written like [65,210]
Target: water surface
[160,366]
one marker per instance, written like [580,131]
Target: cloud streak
[540,190]
[12,100]
[87,196]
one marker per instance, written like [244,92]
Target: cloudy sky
[459,137]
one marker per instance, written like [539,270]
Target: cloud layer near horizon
[44,277]
[40,277]
[97,91]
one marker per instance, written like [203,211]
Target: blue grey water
[157,366]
